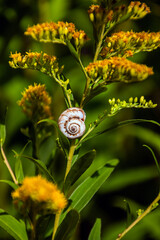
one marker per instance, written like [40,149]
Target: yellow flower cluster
[138,10]
[38,61]
[36,103]
[127,43]
[43,194]
[60,32]
[117,105]
[99,14]
[117,69]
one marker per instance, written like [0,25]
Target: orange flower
[42,193]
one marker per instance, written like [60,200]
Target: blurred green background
[136,177]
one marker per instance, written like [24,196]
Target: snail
[71,122]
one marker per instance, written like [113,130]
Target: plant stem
[87,82]
[148,210]
[8,166]
[70,157]
[69,163]
[98,48]
[56,222]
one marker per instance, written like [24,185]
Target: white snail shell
[71,122]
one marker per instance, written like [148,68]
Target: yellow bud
[135,100]
[141,99]
[131,100]
[91,16]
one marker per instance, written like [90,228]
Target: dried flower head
[38,61]
[60,32]
[117,69]
[127,43]
[36,103]
[40,193]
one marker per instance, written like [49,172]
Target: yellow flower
[36,102]
[42,193]
[38,61]
[117,69]
[138,9]
[127,43]
[60,32]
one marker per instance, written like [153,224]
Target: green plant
[109,65]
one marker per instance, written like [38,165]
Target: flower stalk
[8,166]
[147,211]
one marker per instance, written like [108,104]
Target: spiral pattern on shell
[71,122]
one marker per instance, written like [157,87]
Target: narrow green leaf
[127,122]
[2,134]
[79,167]
[128,211]
[42,167]
[19,170]
[10,183]
[68,226]
[11,225]
[86,190]
[63,140]
[95,233]
[121,124]
[155,159]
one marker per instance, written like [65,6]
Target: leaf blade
[11,225]
[79,167]
[2,134]
[67,227]
[95,233]
[41,166]
[85,191]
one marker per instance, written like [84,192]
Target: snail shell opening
[71,122]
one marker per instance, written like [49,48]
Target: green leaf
[19,170]
[2,134]
[127,122]
[10,183]
[41,166]
[155,159]
[121,124]
[95,233]
[11,225]
[63,140]
[79,167]
[86,190]
[18,164]
[67,227]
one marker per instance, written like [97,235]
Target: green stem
[87,82]
[98,48]
[148,210]
[69,164]
[70,157]
[8,166]
[33,225]
[56,223]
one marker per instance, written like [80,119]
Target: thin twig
[148,210]
[8,166]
